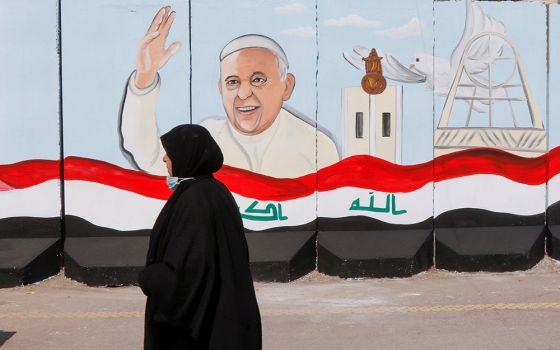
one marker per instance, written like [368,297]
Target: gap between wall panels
[61,134]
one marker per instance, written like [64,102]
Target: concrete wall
[30,194]
[311,192]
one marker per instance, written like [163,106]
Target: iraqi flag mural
[553,174]
[360,191]
[495,188]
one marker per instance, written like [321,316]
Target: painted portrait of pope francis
[260,134]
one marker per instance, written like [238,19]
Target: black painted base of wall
[105,261]
[30,250]
[28,260]
[281,256]
[117,260]
[495,249]
[383,253]
[553,241]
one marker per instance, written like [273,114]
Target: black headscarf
[197,278]
[192,150]
[193,153]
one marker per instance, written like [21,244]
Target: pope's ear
[220,86]
[290,85]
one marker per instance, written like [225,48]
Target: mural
[495,79]
[259,134]
[99,70]
[553,193]
[385,178]
[367,124]
[29,210]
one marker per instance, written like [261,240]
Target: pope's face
[251,89]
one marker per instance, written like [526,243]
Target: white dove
[437,72]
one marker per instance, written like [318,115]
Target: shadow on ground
[5,335]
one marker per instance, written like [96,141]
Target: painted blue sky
[554,115]
[215,23]
[29,84]
[529,39]
[99,47]
[389,27]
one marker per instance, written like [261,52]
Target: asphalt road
[433,310]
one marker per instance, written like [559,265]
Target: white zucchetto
[254,41]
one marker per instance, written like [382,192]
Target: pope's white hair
[282,68]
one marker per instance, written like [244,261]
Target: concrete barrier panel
[553,213]
[256,96]
[111,200]
[30,205]
[490,135]
[374,203]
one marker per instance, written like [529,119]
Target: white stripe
[490,192]
[296,212]
[42,201]
[111,207]
[554,190]
[418,204]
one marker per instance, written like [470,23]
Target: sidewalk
[433,310]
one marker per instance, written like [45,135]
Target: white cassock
[289,148]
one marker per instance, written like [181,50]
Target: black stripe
[363,223]
[484,218]
[30,227]
[553,214]
[310,226]
[78,227]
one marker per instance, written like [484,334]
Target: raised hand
[152,54]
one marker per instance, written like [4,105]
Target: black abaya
[197,279]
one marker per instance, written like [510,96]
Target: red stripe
[358,171]
[237,180]
[373,173]
[29,172]
[529,171]
[263,187]
[84,169]
[553,163]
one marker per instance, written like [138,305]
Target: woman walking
[197,278]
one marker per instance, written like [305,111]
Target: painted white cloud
[414,27]
[302,32]
[352,20]
[296,7]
